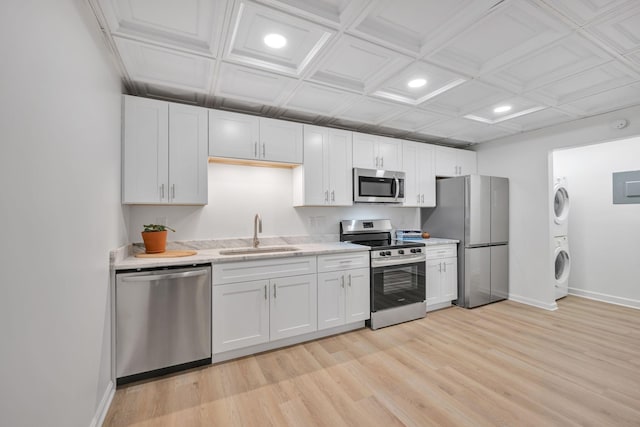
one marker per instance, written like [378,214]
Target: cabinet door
[390,154]
[446,162]
[315,185]
[145,170]
[233,135]
[188,154]
[467,163]
[280,141]
[365,151]
[240,315]
[434,282]
[449,287]
[331,299]
[358,292]
[294,306]
[409,161]
[426,177]
[339,168]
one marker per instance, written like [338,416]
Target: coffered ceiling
[480,69]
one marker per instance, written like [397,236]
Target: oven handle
[387,262]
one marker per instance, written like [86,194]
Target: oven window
[393,286]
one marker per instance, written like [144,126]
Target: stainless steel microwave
[378,186]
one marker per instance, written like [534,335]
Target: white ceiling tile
[251,23]
[165,67]
[319,99]
[606,101]
[619,30]
[438,80]
[414,120]
[481,134]
[251,85]
[634,58]
[368,110]
[188,24]
[606,77]
[411,24]
[447,128]
[510,31]
[357,65]
[332,12]
[538,119]
[583,11]
[517,106]
[466,97]
[565,57]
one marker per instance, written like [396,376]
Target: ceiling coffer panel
[302,40]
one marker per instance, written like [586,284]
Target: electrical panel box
[626,187]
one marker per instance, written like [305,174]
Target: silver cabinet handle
[333,196]
[422,198]
[326,196]
[265,292]
[349,280]
[173,191]
[275,294]
[342,281]
[162,192]
[255,149]
[264,150]
[381,162]
[440,267]
[377,161]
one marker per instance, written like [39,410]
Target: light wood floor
[504,364]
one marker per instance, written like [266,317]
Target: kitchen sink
[265,250]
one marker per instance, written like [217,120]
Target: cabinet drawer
[262,269]
[441,251]
[343,261]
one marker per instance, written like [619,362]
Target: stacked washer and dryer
[561,255]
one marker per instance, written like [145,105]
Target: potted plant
[155,238]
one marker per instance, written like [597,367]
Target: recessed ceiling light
[417,83]
[502,109]
[275,41]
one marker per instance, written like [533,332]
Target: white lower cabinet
[343,291]
[442,276]
[293,306]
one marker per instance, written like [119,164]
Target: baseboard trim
[533,302]
[611,299]
[103,407]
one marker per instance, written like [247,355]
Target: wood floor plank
[501,364]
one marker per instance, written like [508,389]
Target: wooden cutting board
[167,254]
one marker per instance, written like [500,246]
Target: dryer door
[560,204]
[562,266]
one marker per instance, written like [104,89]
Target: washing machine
[562,266]
[560,207]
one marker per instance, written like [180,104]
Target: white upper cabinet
[326,175]
[376,152]
[240,136]
[233,135]
[455,162]
[420,180]
[164,153]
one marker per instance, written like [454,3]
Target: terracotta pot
[155,242]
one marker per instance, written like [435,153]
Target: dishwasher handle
[158,277]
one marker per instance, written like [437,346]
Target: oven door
[394,284]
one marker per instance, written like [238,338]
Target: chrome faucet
[257,228]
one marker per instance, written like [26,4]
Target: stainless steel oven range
[398,290]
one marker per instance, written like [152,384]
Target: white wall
[60,213]
[604,239]
[237,193]
[525,160]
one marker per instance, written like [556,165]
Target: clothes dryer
[562,266]
[560,207]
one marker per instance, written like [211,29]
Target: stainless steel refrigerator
[475,210]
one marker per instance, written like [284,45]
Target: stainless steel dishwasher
[163,321]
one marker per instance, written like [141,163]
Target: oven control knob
[418,250]
[388,253]
[382,253]
[400,251]
[415,251]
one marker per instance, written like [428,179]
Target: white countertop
[214,256]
